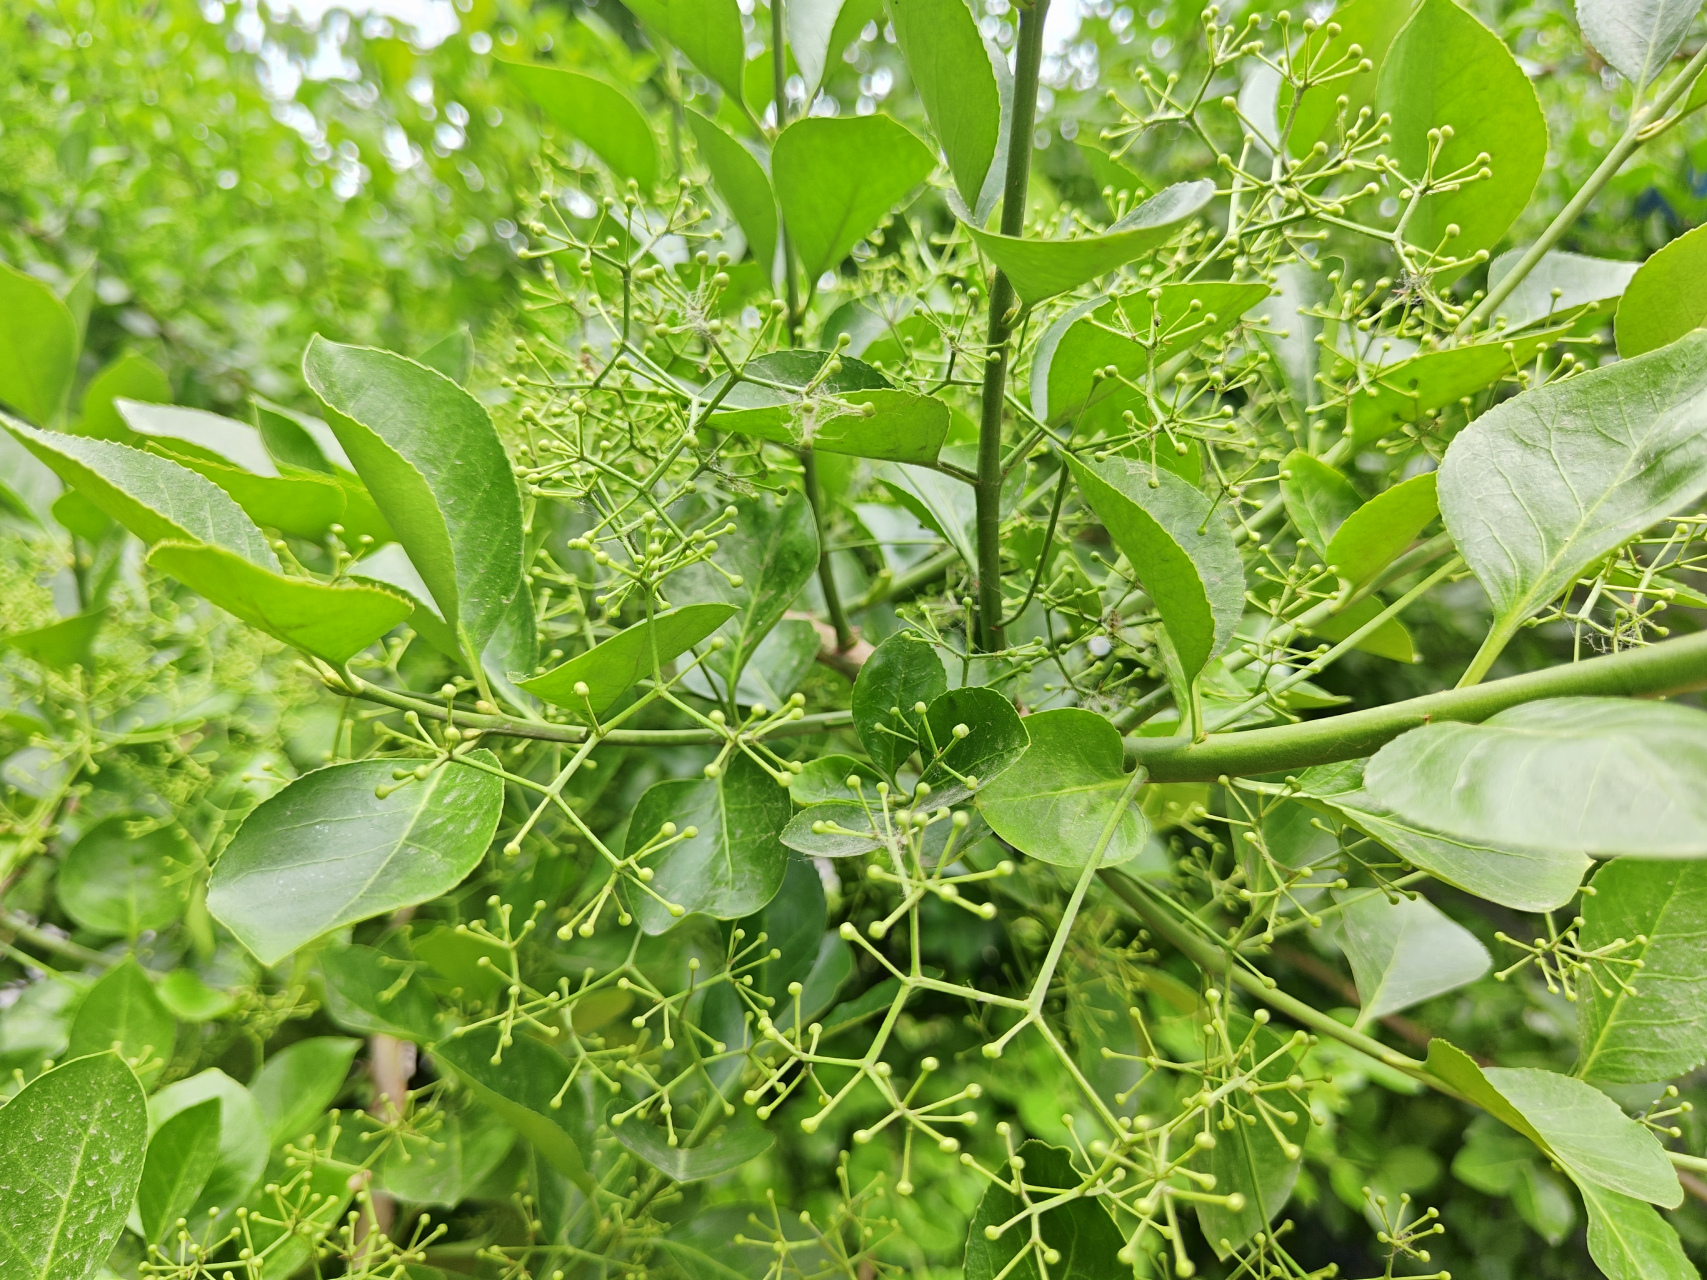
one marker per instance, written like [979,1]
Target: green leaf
[1582,281]
[1666,298]
[1134,334]
[372,993]
[432,460]
[60,645]
[1254,1161]
[853,410]
[1446,68]
[1056,802]
[445,1167]
[1554,479]
[130,377]
[1040,269]
[242,1138]
[181,1157]
[39,344]
[1389,640]
[1573,1123]
[1653,1032]
[944,504]
[332,622]
[837,178]
[735,861]
[772,554]
[811,37]
[687,1164]
[122,1012]
[1628,1240]
[902,672]
[1523,879]
[191,1000]
[153,497]
[1318,498]
[708,32]
[1636,36]
[307,444]
[1405,952]
[326,851]
[1371,25]
[1407,391]
[114,882]
[597,113]
[614,666]
[528,1089]
[774,671]
[71,1153]
[956,82]
[1080,1229]
[742,182]
[1608,777]
[994,739]
[296,1085]
[452,355]
[1180,548]
[1371,538]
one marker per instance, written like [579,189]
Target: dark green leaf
[71,1154]
[708,32]
[1179,547]
[1057,801]
[835,829]
[774,671]
[742,182]
[39,342]
[826,778]
[1253,1161]
[735,861]
[446,1166]
[370,992]
[181,1157]
[1604,776]
[614,666]
[838,178]
[1653,1031]
[1405,952]
[951,69]
[122,1012]
[435,466]
[596,112]
[994,738]
[326,851]
[296,1085]
[1628,1240]
[117,883]
[1080,1230]
[687,1164]
[1666,298]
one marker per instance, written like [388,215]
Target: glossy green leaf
[1058,799]
[130,377]
[153,497]
[793,923]
[331,622]
[1405,952]
[614,666]
[39,343]
[1134,334]
[1407,391]
[1446,68]
[122,1012]
[452,355]
[838,178]
[181,1157]
[1080,1230]
[1552,480]
[371,992]
[1577,1125]
[1318,498]
[772,554]
[992,741]
[902,672]
[1629,1240]
[1582,281]
[242,1156]
[1636,36]
[116,882]
[1523,879]
[1254,1161]
[432,460]
[1654,1030]
[326,851]
[825,778]
[1608,777]
[446,1166]
[1180,548]
[71,1154]
[704,1160]
[60,645]
[853,410]
[708,32]
[294,1086]
[741,180]
[597,113]
[956,83]
[1374,535]
[1666,298]
[1370,25]
[733,863]
[526,1089]
[1040,269]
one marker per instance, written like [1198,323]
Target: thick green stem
[1493,644]
[826,575]
[1003,313]
[1660,670]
